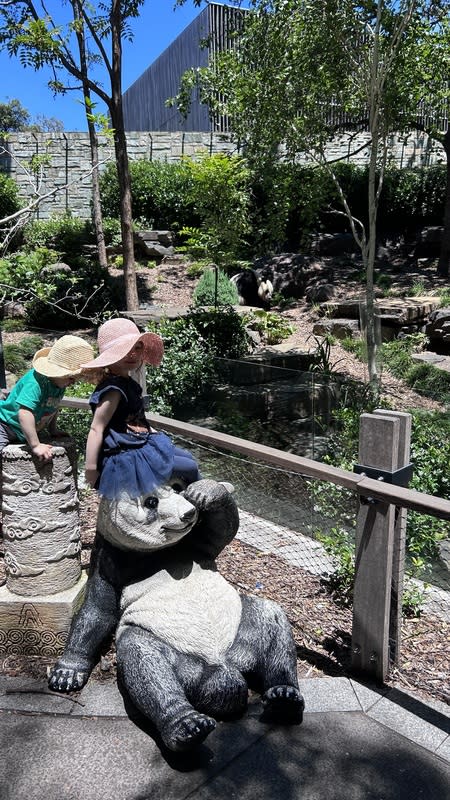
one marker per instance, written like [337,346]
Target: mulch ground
[321,627]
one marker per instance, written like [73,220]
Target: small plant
[13,325]
[215,289]
[117,262]
[417,289]
[151,264]
[272,327]
[15,360]
[196,268]
[340,546]
[444,297]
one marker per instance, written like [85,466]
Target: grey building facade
[144,103]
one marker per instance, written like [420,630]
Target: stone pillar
[41,534]
[41,527]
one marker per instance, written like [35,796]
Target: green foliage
[13,325]
[191,345]
[15,361]
[195,269]
[75,421]
[64,234]
[186,369]
[18,356]
[112,230]
[161,193]
[222,330]
[423,378]
[272,326]
[9,196]
[220,196]
[215,289]
[56,299]
[13,116]
[341,547]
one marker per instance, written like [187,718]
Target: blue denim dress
[131,462]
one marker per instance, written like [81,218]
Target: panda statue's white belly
[199,613]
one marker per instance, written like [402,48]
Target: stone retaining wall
[69,158]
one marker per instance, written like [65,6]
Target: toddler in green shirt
[33,403]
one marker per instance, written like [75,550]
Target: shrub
[75,421]
[220,197]
[9,196]
[161,193]
[272,326]
[76,293]
[186,369]
[222,330]
[64,234]
[215,289]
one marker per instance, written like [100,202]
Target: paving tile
[100,699]
[328,694]
[408,724]
[33,696]
[331,756]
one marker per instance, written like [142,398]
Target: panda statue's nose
[189,513]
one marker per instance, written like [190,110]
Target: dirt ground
[322,629]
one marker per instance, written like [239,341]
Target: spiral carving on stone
[13,567]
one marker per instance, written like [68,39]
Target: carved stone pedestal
[41,536]
[37,626]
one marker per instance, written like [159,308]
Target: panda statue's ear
[228,486]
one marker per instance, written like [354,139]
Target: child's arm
[102,415]
[27,422]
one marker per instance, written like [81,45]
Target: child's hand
[44,452]
[91,476]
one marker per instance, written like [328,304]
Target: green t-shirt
[35,392]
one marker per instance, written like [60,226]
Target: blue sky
[159,23]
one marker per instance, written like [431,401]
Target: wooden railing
[367,487]
[380,524]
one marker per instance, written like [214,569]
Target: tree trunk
[123,172]
[444,258]
[96,204]
[93,141]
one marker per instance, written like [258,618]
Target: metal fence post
[379,442]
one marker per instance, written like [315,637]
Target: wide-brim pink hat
[117,337]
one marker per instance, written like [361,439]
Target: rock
[60,266]
[334,244]
[428,242]
[13,310]
[340,328]
[292,273]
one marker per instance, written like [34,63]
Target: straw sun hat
[64,358]
[117,337]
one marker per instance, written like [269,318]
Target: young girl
[123,453]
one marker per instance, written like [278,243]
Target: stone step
[438,361]
[392,310]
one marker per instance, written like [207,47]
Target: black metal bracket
[398,477]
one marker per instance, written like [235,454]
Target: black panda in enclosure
[252,290]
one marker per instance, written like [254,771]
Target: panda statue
[188,645]
[252,289]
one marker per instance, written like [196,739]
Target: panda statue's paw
[67,679]
[189,732]
[283,704]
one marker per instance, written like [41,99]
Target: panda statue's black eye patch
[151,502]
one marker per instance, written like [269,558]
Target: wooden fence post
[398,556]
[379,442]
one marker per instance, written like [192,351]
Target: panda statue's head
[150,522]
